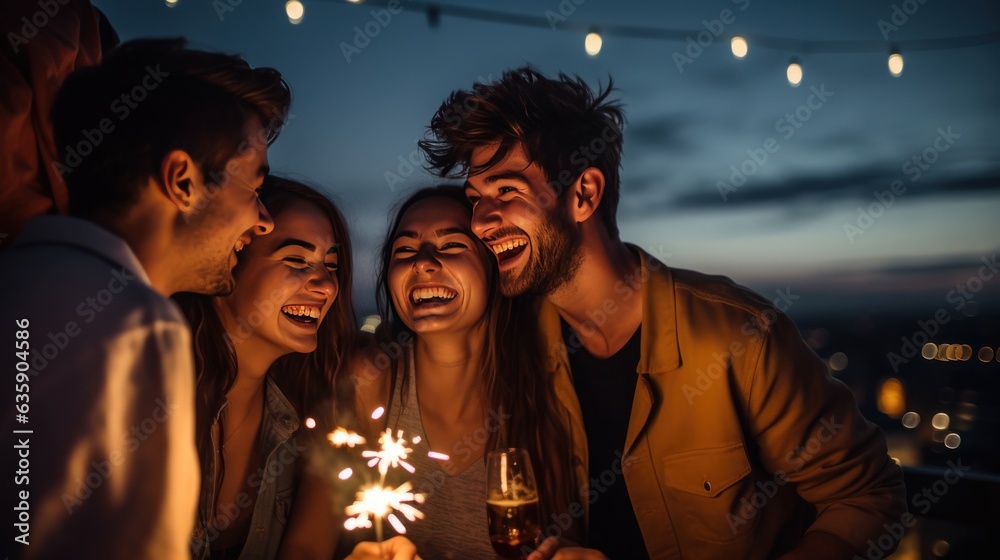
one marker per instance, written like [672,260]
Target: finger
[365,551]
[545,550]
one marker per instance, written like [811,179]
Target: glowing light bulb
[171,3]
[739,46]
[295,11]
[592,44]
[794,74]
[896,64]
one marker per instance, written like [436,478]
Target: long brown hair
[516,382]
[307,380]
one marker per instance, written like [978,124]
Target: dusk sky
[687,127]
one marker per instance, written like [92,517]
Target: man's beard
[555,257]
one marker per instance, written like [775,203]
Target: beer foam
[512,503]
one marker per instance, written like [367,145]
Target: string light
[592,44]
[794,73]
[896,63]
[739,46]
[295,10]
[171,3]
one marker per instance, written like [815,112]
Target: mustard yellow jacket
[739,439]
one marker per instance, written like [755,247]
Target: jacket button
[708,486]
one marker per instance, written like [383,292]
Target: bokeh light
[592,44]
[739,46]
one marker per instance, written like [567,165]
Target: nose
[426,260]
[265,224]
[324,282]
[485,217]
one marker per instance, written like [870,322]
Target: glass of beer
[511,503]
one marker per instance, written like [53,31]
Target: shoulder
[370,370]
[699,290]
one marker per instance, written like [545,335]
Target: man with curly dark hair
[704,424]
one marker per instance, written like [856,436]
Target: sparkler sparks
[393,453]
[377,501]
[341,437]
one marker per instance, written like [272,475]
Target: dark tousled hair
[562,124]
[113,123]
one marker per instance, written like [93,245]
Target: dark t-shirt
[605,388]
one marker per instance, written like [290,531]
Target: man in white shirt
[163,150]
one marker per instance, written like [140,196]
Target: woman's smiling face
[437,271]
[285,283]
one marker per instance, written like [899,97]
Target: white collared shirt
[113,464]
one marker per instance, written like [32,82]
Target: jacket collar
[659,348]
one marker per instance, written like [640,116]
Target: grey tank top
[454,523]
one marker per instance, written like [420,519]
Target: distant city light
[985,354]
[892,398]
[940,421]
[295,11]
[739,46]
[952,440]
[911,420]
[838,361]
[592,44]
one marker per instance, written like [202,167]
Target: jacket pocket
[711,489]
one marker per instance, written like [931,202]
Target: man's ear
[588,190]
[178,177]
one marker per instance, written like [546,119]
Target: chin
[302,347]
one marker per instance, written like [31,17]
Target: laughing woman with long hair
[267,356]
[455,367]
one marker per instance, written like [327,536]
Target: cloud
[669,133]
[858,183]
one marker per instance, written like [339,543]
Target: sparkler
[378,501]
[341,437]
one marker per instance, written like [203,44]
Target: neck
[147,233]
[248,389]
[450,378]
[607,282]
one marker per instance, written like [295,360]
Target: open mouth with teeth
[421,296]
[306,314]
[509,249]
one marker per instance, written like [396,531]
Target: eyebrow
[439,233]
[333,250]
[506,175]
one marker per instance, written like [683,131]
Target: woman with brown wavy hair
[455,366]
[266,357]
